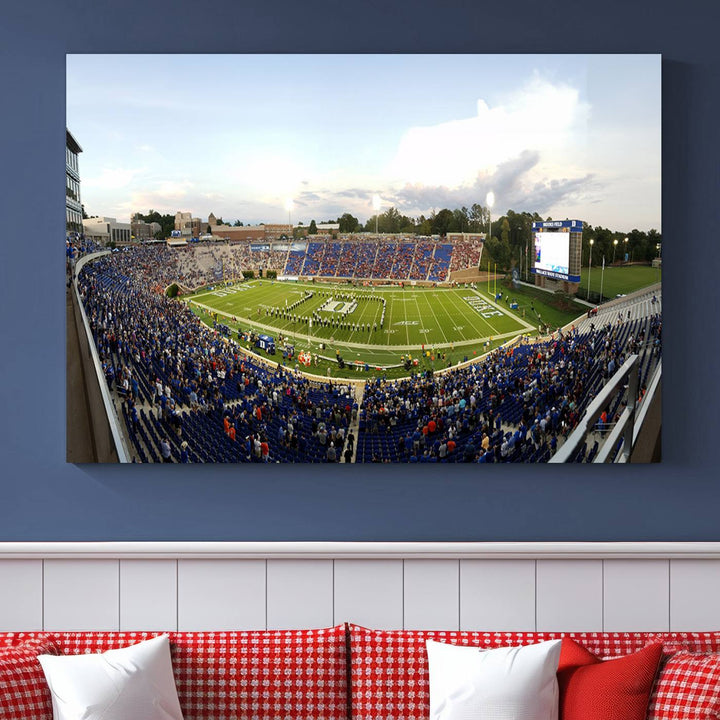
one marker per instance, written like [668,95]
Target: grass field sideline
[618,279]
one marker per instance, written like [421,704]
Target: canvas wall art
[422,259]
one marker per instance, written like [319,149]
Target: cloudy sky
[567,136]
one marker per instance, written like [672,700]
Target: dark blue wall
[42,498]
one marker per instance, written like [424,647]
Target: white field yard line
[255,324]
[376,314]
[437,320]
[298,331]
[461,315]
[525,325]
[492,303]
[238,286]
[235,301]
[473,316]
[484,319]
[303,336]
[232,306]
[388,323]
[272,287]
[407,327]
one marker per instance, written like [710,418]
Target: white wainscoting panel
[694,595]
[497,595]
[473,586]
[570,595]
[299,594]
[221,595]
[432,595]
[369,593]
[148,595]
[635,595]
[21,595]
[82,594]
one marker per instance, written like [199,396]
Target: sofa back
[304,674]
[235,675]
[389,675]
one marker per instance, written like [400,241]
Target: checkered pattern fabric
[389,670]
[687,688]
[273,675]
[24,692]
[691,642]
[253,675]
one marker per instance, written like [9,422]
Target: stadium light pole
[592,242]
[519,230]
[615,242]
[527,260]
[489,201]
[602,278]
[625,249]
[289,207]
[376,206]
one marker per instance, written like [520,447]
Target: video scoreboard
[556,249]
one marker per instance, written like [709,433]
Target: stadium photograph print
[450,259]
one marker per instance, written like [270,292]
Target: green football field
[618,279]
[373,325]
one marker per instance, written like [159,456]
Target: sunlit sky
[567,136]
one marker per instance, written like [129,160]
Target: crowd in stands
[402,261]
[203,263]
[383,258]
[366,253]
[465,253]
[422,259]
[76,247]
[190,394]
[313,258]
[294,263]
[349,259]
[514,406]
[440,264]
[330,258]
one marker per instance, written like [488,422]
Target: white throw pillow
[135,682]
[513,683]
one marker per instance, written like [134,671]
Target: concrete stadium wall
[106,443]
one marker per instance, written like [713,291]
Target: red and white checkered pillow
[691,642]
[389,669]
[250,675]
[687,688]
[24,692]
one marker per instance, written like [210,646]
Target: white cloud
[265,175]
[174,188]
[114,178]
[166,196]
[542,117]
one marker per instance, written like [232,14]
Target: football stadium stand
[185,392]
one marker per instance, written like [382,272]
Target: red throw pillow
[616,689]
[24,692]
